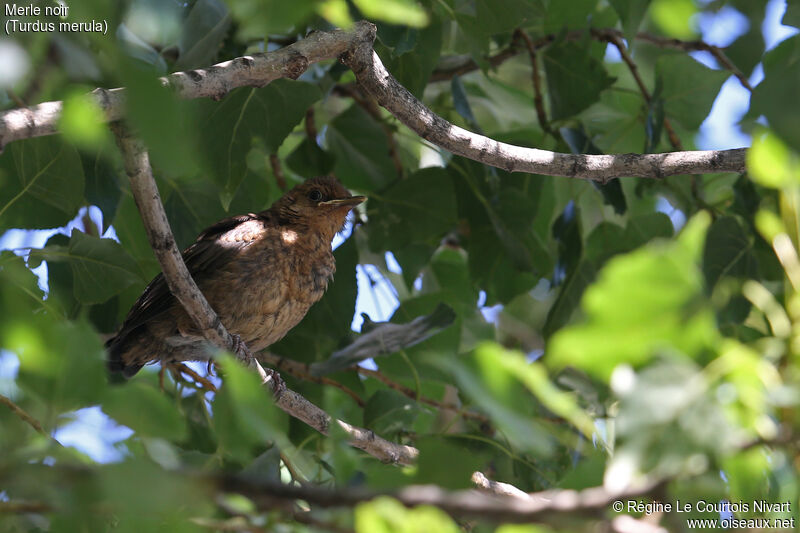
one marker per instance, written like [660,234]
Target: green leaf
[145,410]
[385,515]
[575,78]
[771,163]
[728,252]
[265,115]
[202,33]
[41,184]
[361,150]
[166,124]
[257,19]
[631,13]
[61,361]
[663,312]
[101,268]
[388,412]
[775,96]
[423,202]
[674,17]
[446,463]
[245,417]
[688,103]
[394,11]
[496,16]
[308,159]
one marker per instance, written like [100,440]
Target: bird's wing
[215,246]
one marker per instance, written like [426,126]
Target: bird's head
[320,204]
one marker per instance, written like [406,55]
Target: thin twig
[411,393]
[311,126]
[204,382]
[21,507]
[467,65]
[277,171]
[616,40]
[20,412]
[300,371]
[538,101]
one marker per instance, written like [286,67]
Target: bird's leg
[244,354]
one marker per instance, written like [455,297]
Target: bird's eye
[315,196]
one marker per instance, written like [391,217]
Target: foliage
[595,339]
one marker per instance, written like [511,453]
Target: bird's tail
[118,370]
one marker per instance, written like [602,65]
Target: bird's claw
[278,385]
[244,354]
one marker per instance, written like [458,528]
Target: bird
[260,272]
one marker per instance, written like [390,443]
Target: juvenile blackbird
[260,272]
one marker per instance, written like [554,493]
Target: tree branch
[20,412]
[354,47]
[520,507]
[214,82]
[183,287]
[373,76]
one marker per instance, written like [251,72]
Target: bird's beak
[344,202]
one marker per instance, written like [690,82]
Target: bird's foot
[268,376]
[275,381]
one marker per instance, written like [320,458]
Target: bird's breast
[280,280]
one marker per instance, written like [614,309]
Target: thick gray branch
[355,48]
[183,287]
[215,82]
[377,81]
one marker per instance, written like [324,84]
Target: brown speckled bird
[260,272]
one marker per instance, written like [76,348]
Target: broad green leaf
[264,116]
[165,123]
[534,377]
[83,123]
[774,97]
[191,207]
[771,163]
[41,184]
[388,412]
[245,417]
[405,12]
[497,393]
[448,463]
[728,252]
[423,203]
[577,14]
[145,410]
[631,13]
[61,363]
[688,103]
[202,33]
[308,159]
[495,16]
[385,515]
[661,287]
[674,17]
[575,78]
[255,19]
[361,150]
[101,268]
